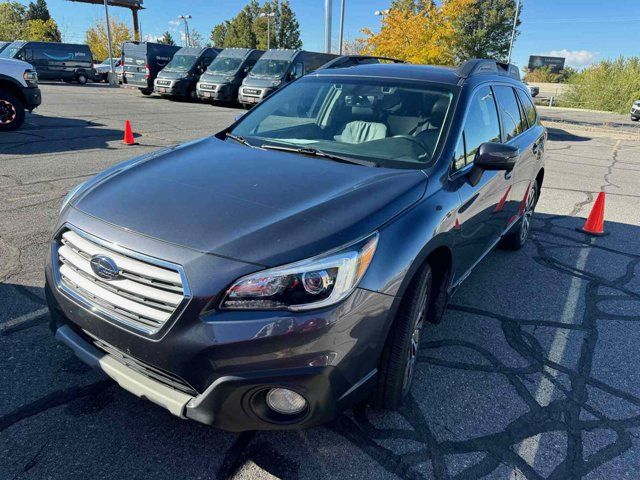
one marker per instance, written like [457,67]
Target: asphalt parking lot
[535,372]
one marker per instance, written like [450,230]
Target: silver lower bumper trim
[127,378]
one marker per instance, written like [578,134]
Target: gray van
[180,76]
[142,61]
[221,81]
[275,69]
[4,45]
[53,60]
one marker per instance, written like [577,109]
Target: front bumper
[223,92]
[32,96]
[215,367]
[171,88]
[253,95]
[635,112]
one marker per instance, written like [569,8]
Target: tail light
[147,71]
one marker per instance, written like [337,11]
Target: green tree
[97,38]
[41,31]
[288,34]
[218,34]
[38,10]
[240,31]
[412,6]
[167,39]
[485,30]
[11,21]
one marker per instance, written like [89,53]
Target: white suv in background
[18,92]
[635,111]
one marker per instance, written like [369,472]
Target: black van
[180,76]
[275,69]
[224,76]
[54,61]
[142,63]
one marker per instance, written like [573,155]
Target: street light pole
[269,16]
[513,32]
[112,73]
[341,26]
[185,18]
[327,26]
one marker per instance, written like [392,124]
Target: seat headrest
[438,112]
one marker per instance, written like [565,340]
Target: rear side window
[513,124]
[481,126]
[529,107]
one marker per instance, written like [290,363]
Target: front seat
[360,131]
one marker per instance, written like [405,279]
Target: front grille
[251,91]
[208,86]
[163,83]
[144,295]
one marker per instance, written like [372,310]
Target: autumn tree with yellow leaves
[421,31]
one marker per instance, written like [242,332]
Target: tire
[635,119]
[397,364]
[81,78]
[146,91]
[519,233]
[11,112]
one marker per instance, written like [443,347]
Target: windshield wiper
[238,139]
[319,153]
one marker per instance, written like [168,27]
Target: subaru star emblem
[104,267]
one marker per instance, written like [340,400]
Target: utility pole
[513,32]
[327,26]
[341,26]
[268,16]
[112,72]
[186,19]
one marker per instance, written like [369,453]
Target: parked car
[68,62]
[277,68]
[221,81]
[18,92]
[102,69]
[142,63]
[4,45]
[635,111]
[271,275]
[180,76]
[533,90]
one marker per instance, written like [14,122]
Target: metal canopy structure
[133,5]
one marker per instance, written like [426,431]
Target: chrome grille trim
[147,294]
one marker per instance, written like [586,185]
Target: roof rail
[484,65]
[345,61]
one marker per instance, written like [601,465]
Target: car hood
[164,75]
[258,206]
[261,82]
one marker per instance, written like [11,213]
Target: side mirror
[496,156]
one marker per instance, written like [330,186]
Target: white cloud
[174,22]
[149,37]
[574,58]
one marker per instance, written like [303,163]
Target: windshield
[270,68]
[225,65]
[181,63]
[395,123]
[11,50]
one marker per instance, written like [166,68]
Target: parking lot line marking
[529,447]
[23,318]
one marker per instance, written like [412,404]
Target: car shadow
[560,135]
[42,134]
[490,378]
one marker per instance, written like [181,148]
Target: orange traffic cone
[128,134]
[595,223]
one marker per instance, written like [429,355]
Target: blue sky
[582,30]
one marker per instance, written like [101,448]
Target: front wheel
[400,354]
[11,112]
[81,78]
[146,91]
[635,119]
[519,233]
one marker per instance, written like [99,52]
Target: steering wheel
[415,141]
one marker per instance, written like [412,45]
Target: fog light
[285,401]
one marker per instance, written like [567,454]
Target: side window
[481,126]
[299,70]
[512,121]
[529,107]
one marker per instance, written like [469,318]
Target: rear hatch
[136,71]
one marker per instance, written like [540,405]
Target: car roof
[427,73]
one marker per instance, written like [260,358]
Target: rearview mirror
[496,156]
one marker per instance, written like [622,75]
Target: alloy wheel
[414,344]
[528,213]
[7,112]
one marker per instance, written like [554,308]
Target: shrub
[545,75]
[610,85]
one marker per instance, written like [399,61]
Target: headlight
[314,283]
[31,77]
[275,83]
[70,195]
